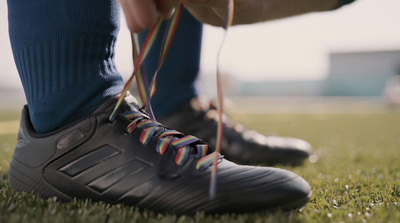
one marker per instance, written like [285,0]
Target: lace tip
[213,179]
[213,188]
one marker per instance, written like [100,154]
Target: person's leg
[177,78]
[64,53]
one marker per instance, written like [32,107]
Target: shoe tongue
[128,104]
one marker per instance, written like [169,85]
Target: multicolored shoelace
[148,124]
[169,137]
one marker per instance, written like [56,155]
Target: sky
[296,48]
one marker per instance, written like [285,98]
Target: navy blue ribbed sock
[176,82]
[64,53]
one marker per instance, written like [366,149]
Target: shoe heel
[24,183]
[19,181]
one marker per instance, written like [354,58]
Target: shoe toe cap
[291,191]
[288,142]
[271,150]
[287,191]
[261,189]
[288,150]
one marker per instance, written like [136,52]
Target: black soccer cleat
[136,161]
[239,144]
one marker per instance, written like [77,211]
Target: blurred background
[341,61]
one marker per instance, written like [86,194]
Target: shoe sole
[297,204]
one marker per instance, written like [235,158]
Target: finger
[166,7]
[140,15]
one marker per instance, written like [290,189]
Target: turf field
[355,175]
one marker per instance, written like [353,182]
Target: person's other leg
[176,82]
[66,62]
[64,53]
[176,104]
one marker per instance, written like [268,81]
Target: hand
[253,11]
[143,14]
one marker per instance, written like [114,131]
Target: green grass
[356,176]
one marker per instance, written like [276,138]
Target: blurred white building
[360,73]
[350,74]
